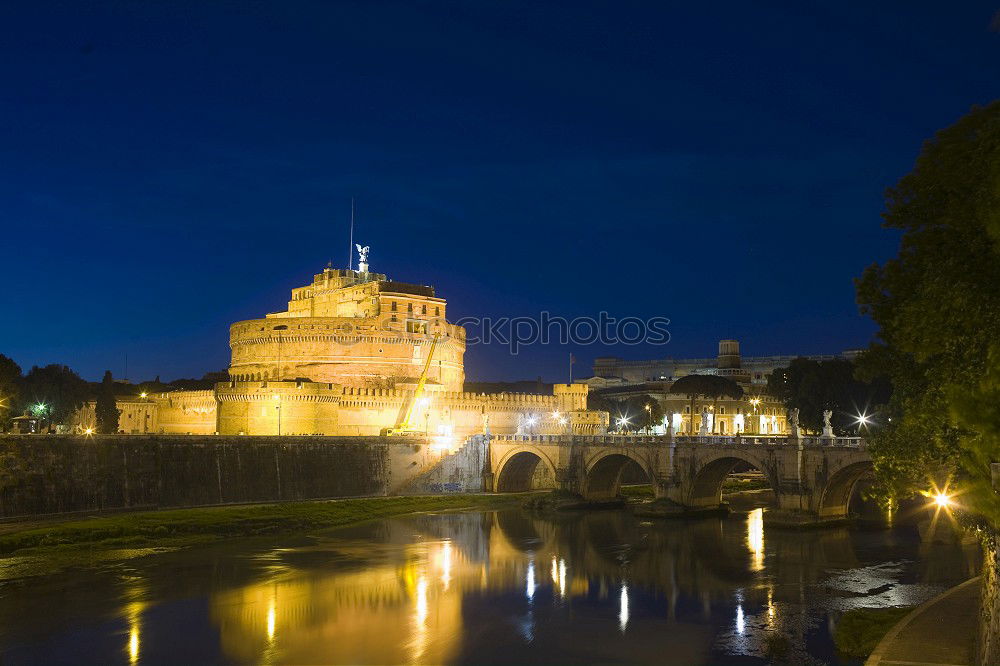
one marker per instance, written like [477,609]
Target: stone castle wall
[45,474]
[347,351]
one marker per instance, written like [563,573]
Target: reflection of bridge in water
[813,478]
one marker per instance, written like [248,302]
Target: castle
[345,358]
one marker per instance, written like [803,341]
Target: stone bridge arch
[835,498]
[708,474]
[517,468]
[603,471]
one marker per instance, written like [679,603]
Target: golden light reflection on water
[407,611]
[755,539]
[135,592]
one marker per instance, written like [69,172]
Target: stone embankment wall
[45,474]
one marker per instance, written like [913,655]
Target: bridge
[813,478]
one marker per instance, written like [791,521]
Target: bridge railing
[700,440]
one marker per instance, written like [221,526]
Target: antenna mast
[350,248]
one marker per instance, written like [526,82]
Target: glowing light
[942,500]
[423,402]
[530,587]
[740,620]
[623,609]
[421,609]
[863,419]
[755,538]
[88,431]
[270,621]
[143,395]
[555,571]
[755,402]
[446,564]
[531,420]
[275,397]
[555,415]
[562,578]
[133,645]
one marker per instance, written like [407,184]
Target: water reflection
[493,588]
[755,538]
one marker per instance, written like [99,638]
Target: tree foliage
[58,388]
[937,304]
[643,412]
[816,386]
[10,390]
[106,413]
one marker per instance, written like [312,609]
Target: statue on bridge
[703,428]
[793,422]
[827,427]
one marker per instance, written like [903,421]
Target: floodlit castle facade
[346,358]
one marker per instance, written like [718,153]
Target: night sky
[168,168]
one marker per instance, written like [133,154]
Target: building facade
[755,413]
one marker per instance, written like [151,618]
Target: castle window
[409,307]
[393,308]
[423,309]
[437,311]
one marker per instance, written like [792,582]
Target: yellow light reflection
[133,645]
[755,538]
[446,564]
[562,577]
[270,621]
[555,570]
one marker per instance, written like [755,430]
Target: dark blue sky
[167,168]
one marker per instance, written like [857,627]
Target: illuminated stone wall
[67,473]
[309,408]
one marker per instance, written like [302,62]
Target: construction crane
[405,425]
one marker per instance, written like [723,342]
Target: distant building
[729,362]
[756,413]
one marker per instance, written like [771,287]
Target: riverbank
[44,548]
[940,632]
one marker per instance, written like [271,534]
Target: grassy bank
[860,630]
[171,529]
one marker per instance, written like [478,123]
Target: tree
[10,390]
[106,413]
[639,416]
[53,392]
[813,387]
[937,304]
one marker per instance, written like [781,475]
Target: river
[501,587]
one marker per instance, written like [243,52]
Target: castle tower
[729,354]
[352,328]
